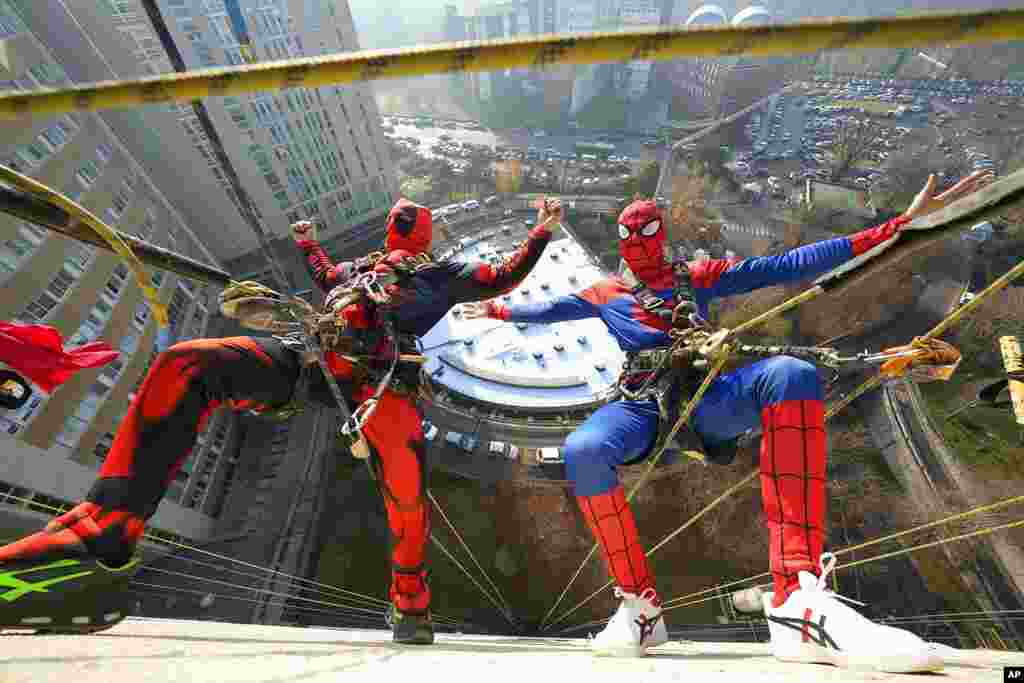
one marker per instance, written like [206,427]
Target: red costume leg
[396,433]
[612,523]
[183,387]
[793,454]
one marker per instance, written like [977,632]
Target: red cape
[37,352]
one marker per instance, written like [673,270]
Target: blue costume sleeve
[724,278]
[572,307]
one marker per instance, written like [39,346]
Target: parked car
[550,455]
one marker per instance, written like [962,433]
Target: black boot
[410,629]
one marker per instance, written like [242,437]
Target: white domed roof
[708,14]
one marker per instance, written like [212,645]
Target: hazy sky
[397,23]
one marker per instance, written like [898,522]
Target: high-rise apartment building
[54,444]
[314,153]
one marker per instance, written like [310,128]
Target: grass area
[979,435]
[869,106]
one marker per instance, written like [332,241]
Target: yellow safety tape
[87,218]
[532,52]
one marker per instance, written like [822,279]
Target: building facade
[54,444]
[720,87]
[314,153]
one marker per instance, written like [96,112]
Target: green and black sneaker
[71,576]
[64,595]
[410,629]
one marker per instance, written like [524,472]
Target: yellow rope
[923,546]
[87,218]
[533,52]
[982,509]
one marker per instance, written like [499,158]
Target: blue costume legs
[613,434]
[784,394]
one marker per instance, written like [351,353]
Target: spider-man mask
[410,228]
[642,242]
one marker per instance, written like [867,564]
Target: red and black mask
[642,242]
[410,228]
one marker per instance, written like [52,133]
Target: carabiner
[359,417]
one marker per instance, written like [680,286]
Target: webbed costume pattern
[782,394]
[189,380]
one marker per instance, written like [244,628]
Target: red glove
[496,310]
[872,237]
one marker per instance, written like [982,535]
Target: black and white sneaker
[813,626]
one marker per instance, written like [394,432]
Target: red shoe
[70,577]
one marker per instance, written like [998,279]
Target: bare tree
[692,223]
[855,138]
[906,173]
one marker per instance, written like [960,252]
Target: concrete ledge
[164,650]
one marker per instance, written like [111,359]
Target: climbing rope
[465,546]
[539,52]
[82,215]
[689,601]
[486,593]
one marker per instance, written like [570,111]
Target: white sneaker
[813,626]
[636,626]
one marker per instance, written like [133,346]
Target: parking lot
[796,135]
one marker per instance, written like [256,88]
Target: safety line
[287,596]
[465,546]
[866,544]
[164,590]
[539,52]
[667,606]
[472,578]
[185,546]
[981,532]
[265,591]
[221,568]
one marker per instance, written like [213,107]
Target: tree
[691,222]
[419,189]
[906,173]
[709,160]
[644,182]
[854,140]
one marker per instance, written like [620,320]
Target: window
[87,174]
[61,283]
[39,308]
[47,74]
[10,24]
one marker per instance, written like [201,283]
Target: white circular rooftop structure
[755,14]
[527,367]
[707,15]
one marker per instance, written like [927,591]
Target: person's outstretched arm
[718,278]
[479,281]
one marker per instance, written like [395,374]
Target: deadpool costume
[96,540]
[782,394]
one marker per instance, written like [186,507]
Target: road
[565,144]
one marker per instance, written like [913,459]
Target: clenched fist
[303,231]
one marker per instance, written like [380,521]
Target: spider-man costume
[784,394]
[189,380]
